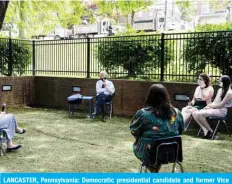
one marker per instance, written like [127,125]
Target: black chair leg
[229,132]
[199,132]
[189,122]
[69,111]
[181,167]
[215,130]
[174,167]
[141,168]
[111,110]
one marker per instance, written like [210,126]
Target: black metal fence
[165,57]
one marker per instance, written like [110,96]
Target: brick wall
[22,93]
[53,92]
[130,95]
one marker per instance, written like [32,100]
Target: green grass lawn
[55,143]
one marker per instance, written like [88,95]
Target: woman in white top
[218,108]
[202,96]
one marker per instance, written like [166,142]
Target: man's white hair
[104,73]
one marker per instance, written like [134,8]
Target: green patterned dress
[143,125]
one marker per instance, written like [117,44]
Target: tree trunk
[132,18]
[22,19]
[3,8]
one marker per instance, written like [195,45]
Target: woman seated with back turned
[9,125]
[202,96]
[218,108]
[159,119]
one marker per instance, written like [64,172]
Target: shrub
[15,56]
[210,49]
[138,55]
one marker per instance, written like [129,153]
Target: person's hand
[202,87]
[148,146]
[155,128]
[210,106]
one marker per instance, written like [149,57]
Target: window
[161,19]
[140,14]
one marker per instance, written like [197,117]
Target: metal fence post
[33,57]
[162,57]
[88,57]
[10,62]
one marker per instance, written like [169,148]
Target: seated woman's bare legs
[187,113]
[200,118]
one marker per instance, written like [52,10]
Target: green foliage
[210,49]
[129,31]
[218,5]
[127,7]
[215,27]
[21,57]
[41,17]
[187,9]
[113,9]
[137,55]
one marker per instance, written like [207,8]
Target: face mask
[220,84]
[201,83]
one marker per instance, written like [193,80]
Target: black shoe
[24,131]
[14,148]
[208,135]
[104,119]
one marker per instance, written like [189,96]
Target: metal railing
[165,57]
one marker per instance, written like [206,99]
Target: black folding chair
[220,120]
[111,107]
[110,103]
[164,151]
